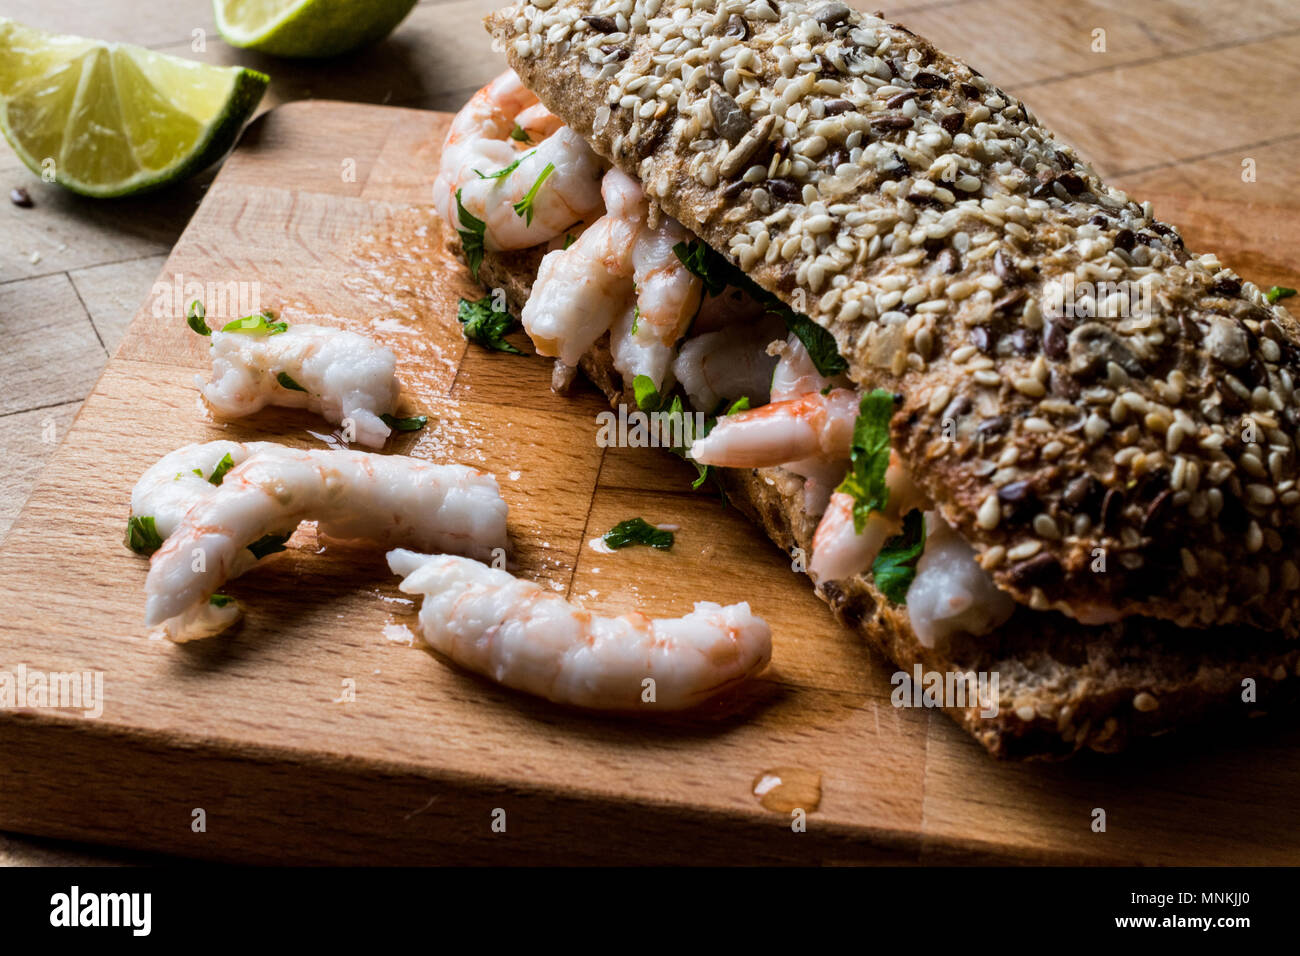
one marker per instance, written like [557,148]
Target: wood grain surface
[249,728]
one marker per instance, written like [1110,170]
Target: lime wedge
[108,119]
[307,28]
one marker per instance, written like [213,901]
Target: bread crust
[1062,686]
[925,219]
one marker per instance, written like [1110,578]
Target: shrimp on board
[344,377]
[386,499]
[173,484]
[479,146]
[525,637]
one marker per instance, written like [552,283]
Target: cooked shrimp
[796,375]
[779,433]
[478,144]
[386,499]
[951,593]
[531,639]
[667,298]
[343,376]
[579,291]
[537,122]
[839,552]
[170,487]
[732,363]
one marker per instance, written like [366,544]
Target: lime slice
[107,119]
[307,28]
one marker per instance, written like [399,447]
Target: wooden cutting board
[321,731]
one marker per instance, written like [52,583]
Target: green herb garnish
[1277,293]
[637,531]
[261,323]
[194,318]
[647,395]
[503,172]
[519,135]
[471,236]
[716,272]
[484,325]
[220,600]
[569,239]
[525,206]
[412,424]
[142,535]
[219,473]
[869,456]
[269,544]
[636,318]
[895,566]
[739,405]
[287,382]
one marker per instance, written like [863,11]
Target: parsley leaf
[569,239]
[647,396]
[412,424]
[483,325]
[287,382]
[219,600]
[869,454]
[739,405]
[637,531]
[504,172]
[259,324]
[142,535]
[519,135]
[713,270]
[1277,293]
[895,566]
[219,473]
[194,318]
[471,236]
[525,206]
[636,317]
[716,272]
[269,544]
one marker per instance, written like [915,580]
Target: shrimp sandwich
[1013,425]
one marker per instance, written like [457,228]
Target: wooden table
[1171,101]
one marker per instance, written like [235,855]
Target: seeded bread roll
[1062,686]
[927,221]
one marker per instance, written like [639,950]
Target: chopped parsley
[895,566]
[194,318]
[269,544]
[220,600]
[484,325]
[869,457]
[739,405]
[647,395]
[471,236]
[636,318]
[525,206]
[1278,293]
[219,473]
[287,382]
[412,424]
[262,323]
[142,535]
[569,239]
[519,135]
[504,172]
[637,531]
[716,272]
